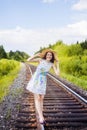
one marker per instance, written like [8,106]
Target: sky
[27,25]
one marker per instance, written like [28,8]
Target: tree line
[16,55]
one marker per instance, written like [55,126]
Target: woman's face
[49,56]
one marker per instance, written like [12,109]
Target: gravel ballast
[10,106]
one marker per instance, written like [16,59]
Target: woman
[37,84]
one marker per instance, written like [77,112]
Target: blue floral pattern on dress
[37,84]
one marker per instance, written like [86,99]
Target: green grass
[6,80]
[72,65]
[80,82]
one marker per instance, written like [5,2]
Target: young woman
[37,84]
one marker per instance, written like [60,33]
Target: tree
[75,49]
[2,52]
[84,44]
[18,55]
[11,54]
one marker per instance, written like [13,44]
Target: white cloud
[80,5]
[79,28]
[48,1]
[79,17]
[30,40]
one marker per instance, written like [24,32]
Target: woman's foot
[43,122]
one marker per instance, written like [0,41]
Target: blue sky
[34,13]
[27,25]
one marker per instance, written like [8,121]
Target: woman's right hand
[32,57]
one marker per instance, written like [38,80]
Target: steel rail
[69,89]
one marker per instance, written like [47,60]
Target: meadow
[8,72]
[73,62]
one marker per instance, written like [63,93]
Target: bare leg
[41,101]
[37,98]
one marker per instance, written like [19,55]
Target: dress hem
[35,92]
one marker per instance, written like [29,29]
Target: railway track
[63,109]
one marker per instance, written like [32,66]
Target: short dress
[37,83]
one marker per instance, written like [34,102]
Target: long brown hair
[53,58]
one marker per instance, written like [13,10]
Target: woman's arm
[56,68]
[34,58]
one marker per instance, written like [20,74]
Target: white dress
[37,83]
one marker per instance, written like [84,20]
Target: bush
[76,66]
[6,66]
[74,49]
[8,72]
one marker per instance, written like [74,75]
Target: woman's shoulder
[41,61]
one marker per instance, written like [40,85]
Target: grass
[80,82]
[6,81]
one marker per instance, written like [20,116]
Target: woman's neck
[48,60]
